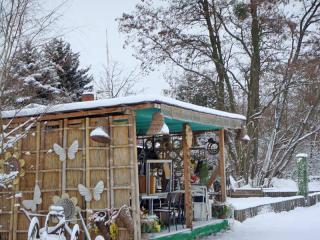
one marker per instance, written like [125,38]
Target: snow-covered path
[298,224]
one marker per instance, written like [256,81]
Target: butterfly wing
[29,204]
[32,204]
[37,195]
[73,149]
[60,152]
[98,189]
[85,192]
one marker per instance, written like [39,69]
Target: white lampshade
[158,126]
[99,134]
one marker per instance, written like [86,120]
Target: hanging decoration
[108,221]
[32,204]
[207,146]
[62,153]
[162,147]
[158,126]
[95,194]
[148,144]
[212,146]
[69,205]
[177,144]
[11,164]
[99,134]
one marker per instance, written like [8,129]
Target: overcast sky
[84,25]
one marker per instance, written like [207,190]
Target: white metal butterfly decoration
[72,150]
[32,204]
[95,194]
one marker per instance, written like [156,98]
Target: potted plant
[150,224]
[222,211]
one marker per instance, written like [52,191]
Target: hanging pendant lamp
[158,126]
[99,134]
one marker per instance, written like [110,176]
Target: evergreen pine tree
[73,79]
[193,89]
[33,78]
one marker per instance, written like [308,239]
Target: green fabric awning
[144,117]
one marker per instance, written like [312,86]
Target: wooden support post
[16,189]
[11,232]
[134,177]
[187,142]
[87,155]
[15,214]
[111,144]
[108,170]
[38,136]
[222,166]
[64,163]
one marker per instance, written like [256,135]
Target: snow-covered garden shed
[60,152]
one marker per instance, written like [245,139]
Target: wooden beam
[187,142]
[222,166]
[82,113]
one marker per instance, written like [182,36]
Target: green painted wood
[191,116]
[302,165]
[197,232]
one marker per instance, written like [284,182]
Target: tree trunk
[216,53]
[253,96]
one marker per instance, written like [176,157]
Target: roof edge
[122,101]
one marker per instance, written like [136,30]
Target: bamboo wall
[115,164]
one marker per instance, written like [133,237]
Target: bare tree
[20,20]
[116,82]
[10,135]
[183,33]
[260,48]
[299,72]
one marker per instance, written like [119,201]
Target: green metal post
[302,165]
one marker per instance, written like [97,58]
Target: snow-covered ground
[283,185]
[287,185]
[298,224]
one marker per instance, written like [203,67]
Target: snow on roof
[122,101]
